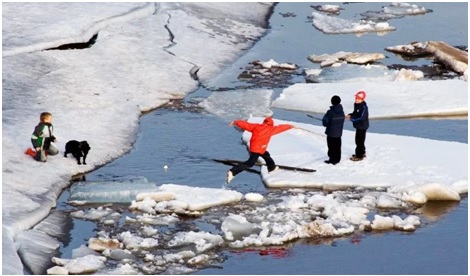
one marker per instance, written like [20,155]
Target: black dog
[77,149]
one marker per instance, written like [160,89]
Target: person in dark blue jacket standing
[360,120]
[333,120]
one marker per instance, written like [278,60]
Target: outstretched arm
[243,125]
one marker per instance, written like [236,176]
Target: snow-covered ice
[396,162]
[385,99]
[141,59]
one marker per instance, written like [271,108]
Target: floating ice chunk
[369,201]
[177,269]
[382,223]
[254,197]
[92,214]
[325,228]
[407,75]
[353,73]
[320,201]
[327,8]
[149,231]
[123,269]
[270,63]
[335,25]
[460,186]
[318,228]
[172,258]
[414,220]
[236,227]
[160,219]
[172,205]
[57,270]
[130,241]
[414,49]
[350,214]
[400,224]
[157,196]
[414,197]
[83,251]
[101,244]
[83,265]
[319,58]
[122,190]
[294,202]
[349,57]
[400,8]
[448,55]
[199,198]
[147,205]
[199,259]
[287,66]
[432,191]
[118,254]
[409,224]
[313,72]
[363,58]
[202,240]
[436,191]
[387,201]
[148,243]
[186,254]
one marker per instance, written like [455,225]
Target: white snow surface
[416,169]
[98,93]
[385,99]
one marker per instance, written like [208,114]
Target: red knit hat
[361,95]
[268,121]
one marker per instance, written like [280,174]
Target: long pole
[313,117]
[320,134]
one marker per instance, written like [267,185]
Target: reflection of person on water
[260,136]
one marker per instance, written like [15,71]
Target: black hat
[335,100]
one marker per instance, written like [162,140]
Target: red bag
[30,152]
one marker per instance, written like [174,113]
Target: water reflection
[435,210]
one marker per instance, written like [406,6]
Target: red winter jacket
[261,133]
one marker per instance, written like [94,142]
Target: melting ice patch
[361,73]
[120,190]
[405,9]
[148,197]
[232,105]
[335,25]
[291,215]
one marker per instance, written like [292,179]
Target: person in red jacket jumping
[260,136]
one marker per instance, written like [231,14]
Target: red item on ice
[30,152]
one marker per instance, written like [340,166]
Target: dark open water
[187,140]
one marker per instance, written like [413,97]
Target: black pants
[360,142]
[251,162]
[334,149]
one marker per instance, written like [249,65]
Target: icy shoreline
[133,67]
